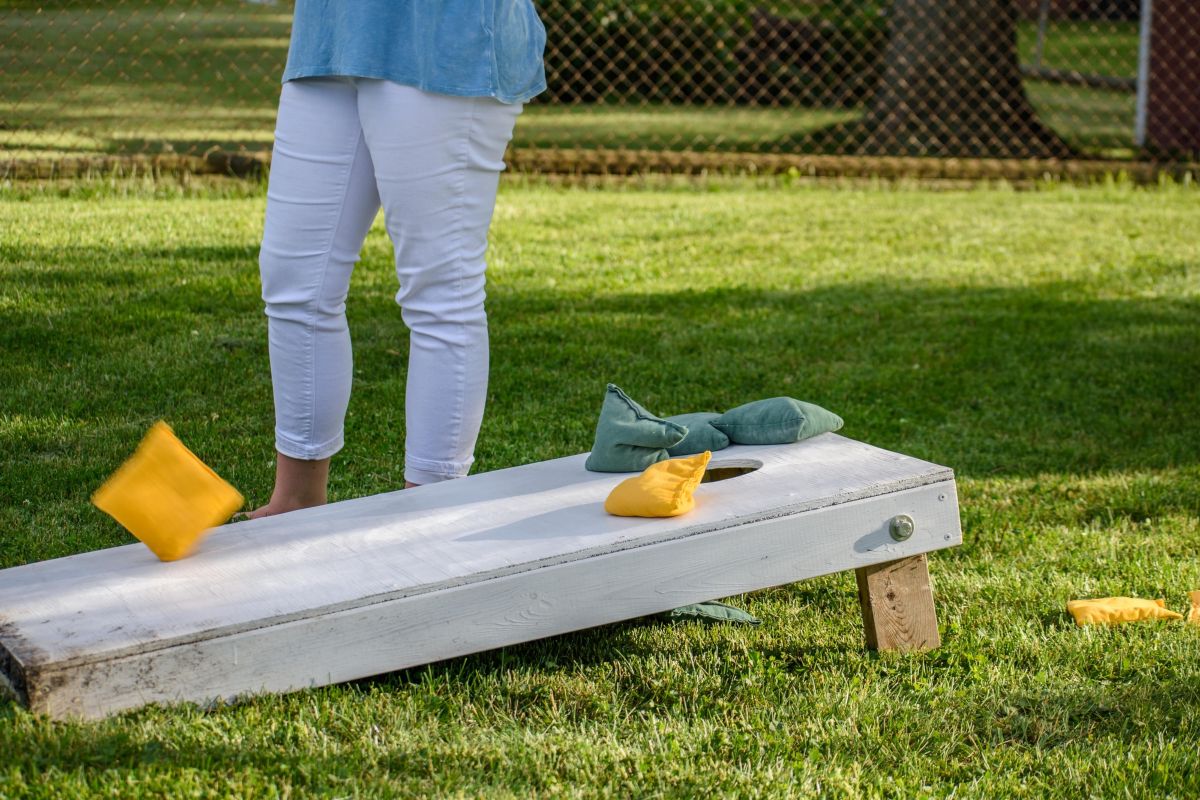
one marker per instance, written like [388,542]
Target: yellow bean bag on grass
[1107,610]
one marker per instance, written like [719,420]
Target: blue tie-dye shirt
[476,48]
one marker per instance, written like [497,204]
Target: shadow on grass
[990,381]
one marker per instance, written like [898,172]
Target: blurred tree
[951,86]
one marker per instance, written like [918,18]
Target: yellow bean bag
[1106,610]
[166,496]
[662,490]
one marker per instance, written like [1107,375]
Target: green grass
[1092,47]
[1099,121]
[1044,344]
[140,76]
[154,76]
[661,127]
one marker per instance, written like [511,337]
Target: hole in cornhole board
[733,468]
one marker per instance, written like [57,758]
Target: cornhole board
[366,586]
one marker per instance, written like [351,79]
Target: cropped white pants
[343,146]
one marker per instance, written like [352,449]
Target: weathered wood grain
[897,605]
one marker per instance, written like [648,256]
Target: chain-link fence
[1075,79]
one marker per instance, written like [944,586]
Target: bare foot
[298,484]
[271,509]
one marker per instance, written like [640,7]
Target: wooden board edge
[941,475]
[460,620]
[13,679]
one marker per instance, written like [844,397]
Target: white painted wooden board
[394,580]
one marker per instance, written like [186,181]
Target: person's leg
[321,201]
[437,164]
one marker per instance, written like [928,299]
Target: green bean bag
[777,420]
[628,437]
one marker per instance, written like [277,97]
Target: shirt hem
[325,71]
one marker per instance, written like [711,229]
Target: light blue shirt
[474,48]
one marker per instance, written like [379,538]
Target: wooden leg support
[897,605]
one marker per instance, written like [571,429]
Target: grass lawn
[1045,344]
[1100,121]
[169,76]
[1092,47]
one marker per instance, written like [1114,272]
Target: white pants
[343,145]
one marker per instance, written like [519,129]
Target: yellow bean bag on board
[662,490]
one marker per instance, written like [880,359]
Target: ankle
[292,498]
[299,483]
